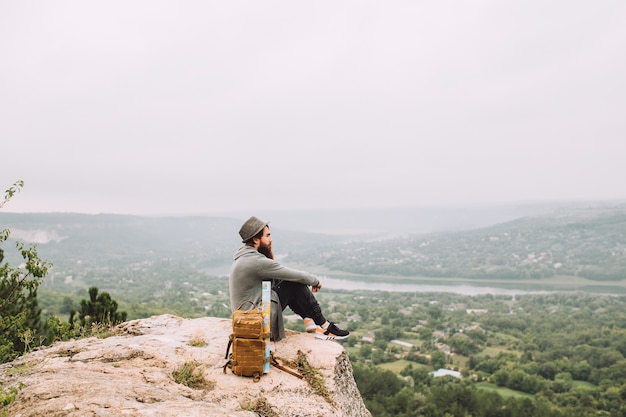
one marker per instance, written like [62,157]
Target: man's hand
[317,287]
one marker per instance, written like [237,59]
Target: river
[501,288]
[464,289]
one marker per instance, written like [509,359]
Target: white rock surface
[130,374]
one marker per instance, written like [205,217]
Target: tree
[463,345]
[548,370]
[435,311]
[438,359]
[19,311]
[100,308]
[501,377]
[365,351]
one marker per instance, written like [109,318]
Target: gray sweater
[250,268]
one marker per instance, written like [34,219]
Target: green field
[504,392]
[583,384]
[399,365]
[496,350]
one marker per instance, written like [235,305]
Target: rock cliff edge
[131,374]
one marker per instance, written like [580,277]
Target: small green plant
[30,340]
[57,330]
[7,396]
[68,352]
[197,342]
[19,369]
[312,376]
[101,330]
[261,407]
[191,374]
[61,331]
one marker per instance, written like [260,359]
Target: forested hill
[585,242]
[589,243]
[107,239]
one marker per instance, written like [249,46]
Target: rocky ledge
[132,373]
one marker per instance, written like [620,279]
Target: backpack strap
[230,342]
[246,302]
[228,364]
[274,362]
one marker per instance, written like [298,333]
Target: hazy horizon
[380,223]
[173,108]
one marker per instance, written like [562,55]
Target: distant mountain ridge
[589,243]
[584,240]
[402,221]
[88,245]
[133,238]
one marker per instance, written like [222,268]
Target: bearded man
[254,263]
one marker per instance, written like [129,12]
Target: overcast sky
[173,107]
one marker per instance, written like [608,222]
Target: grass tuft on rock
[312,376]
[191,374]
[261,407]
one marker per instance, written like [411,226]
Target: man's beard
[266,250]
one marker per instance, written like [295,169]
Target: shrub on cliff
[19,312]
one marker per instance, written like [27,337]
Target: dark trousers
[299,298]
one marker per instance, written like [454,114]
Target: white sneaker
[332,333]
